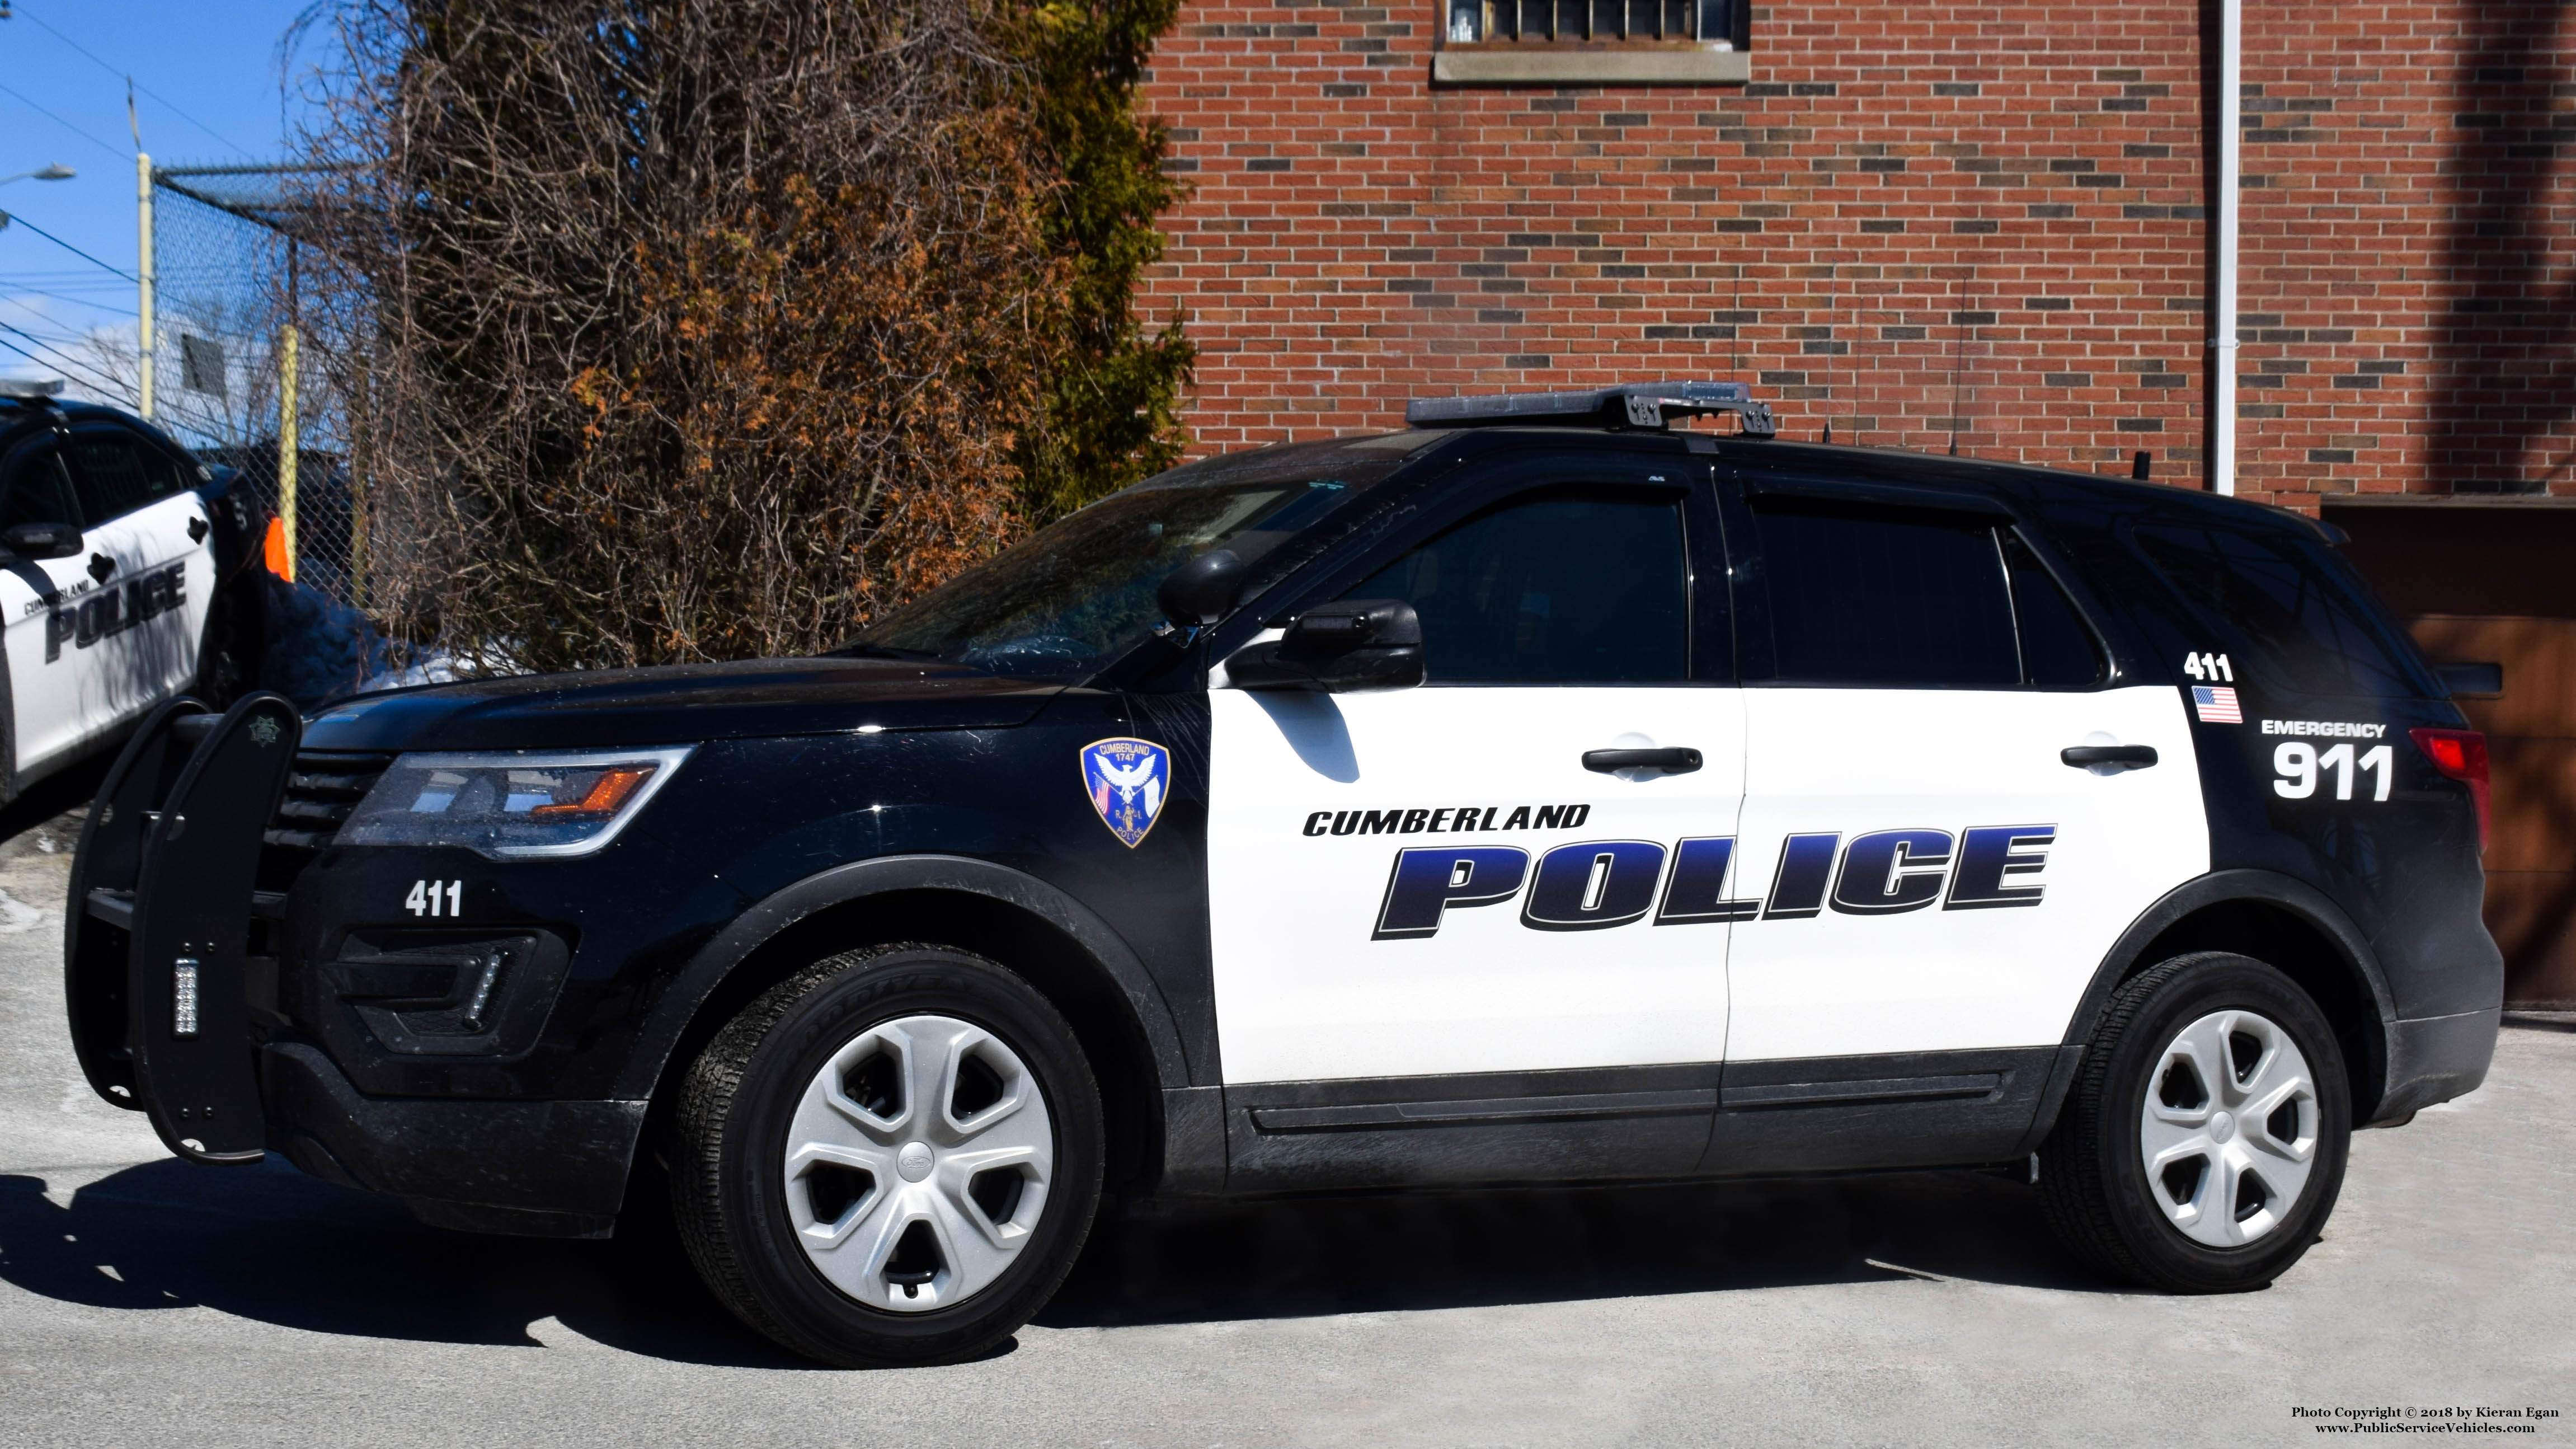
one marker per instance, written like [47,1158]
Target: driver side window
[1565,586]
[118,473]
[39,490]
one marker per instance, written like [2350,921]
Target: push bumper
[156,961]
[159,961]
[542,1169]
[2435,1058]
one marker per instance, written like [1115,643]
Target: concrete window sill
[1651,65]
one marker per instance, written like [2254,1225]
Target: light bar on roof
[1632,405]
[30,387]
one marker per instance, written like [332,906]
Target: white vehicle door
[1431,880]
[52,685]
[1939,877]
[154,574]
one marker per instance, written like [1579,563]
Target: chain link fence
[229,370]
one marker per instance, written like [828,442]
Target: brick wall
[2406,310]
[1916,223]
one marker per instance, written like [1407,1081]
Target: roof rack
[30,389]
[1631,405]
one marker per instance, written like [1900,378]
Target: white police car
[108,577]
[1541,794]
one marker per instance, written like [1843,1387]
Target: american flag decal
[2217,704]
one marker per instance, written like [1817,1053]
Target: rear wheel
[891,1158]
[2202,1146]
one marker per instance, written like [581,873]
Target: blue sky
[208,79]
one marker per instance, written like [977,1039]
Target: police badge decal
[1127,781]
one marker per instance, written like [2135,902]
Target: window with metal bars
[1718,23]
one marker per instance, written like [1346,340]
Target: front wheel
[891,1158]
[2202,1145]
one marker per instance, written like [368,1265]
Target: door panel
[1432,881]
[1359,932]
[50,680]
[143,620]
[1931,874]
[1983,926]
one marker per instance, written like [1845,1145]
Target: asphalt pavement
[145,1301]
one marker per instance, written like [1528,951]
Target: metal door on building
[2488,580]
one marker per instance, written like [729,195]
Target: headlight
[512,806]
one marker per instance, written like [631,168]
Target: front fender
[843,884]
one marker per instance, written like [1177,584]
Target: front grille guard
[165,887]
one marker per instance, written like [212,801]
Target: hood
[679,704]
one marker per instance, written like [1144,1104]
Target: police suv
[110,541]
[1543,794]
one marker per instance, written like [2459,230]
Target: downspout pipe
[2222,314]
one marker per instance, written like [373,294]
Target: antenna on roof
[2138,466]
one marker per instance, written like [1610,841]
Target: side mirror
[1338,648]
[43,540]
[1201,591]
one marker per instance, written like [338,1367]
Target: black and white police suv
[1541,794]
[114,544]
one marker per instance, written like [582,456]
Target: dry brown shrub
[680,331]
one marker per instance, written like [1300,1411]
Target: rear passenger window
[1869,595]
[2290,616]
[1863,595]
[1563,587]
[117,473]
[2056,648]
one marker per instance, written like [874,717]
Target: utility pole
[2231,178]
[143,221]
[289,336]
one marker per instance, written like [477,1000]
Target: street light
[56,172]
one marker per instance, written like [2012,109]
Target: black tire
[740,1098]
[2093,1175]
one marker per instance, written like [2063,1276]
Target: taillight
[2462,755]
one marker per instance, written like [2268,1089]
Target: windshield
[1080,592]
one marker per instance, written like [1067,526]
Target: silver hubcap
[2229,1133]
[918,1163]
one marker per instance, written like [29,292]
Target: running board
[1490,1109]
[1886,1089]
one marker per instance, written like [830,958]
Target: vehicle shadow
[272,1245]
[49,797]
[269,1244]
[1395,1251]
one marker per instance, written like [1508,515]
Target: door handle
[2123,757]
[1673,761]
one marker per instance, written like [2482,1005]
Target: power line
[67,246]
[59,364]
[76,279]
[115,151]
[52,333]
[62,297]
[208,423]
[128,78]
